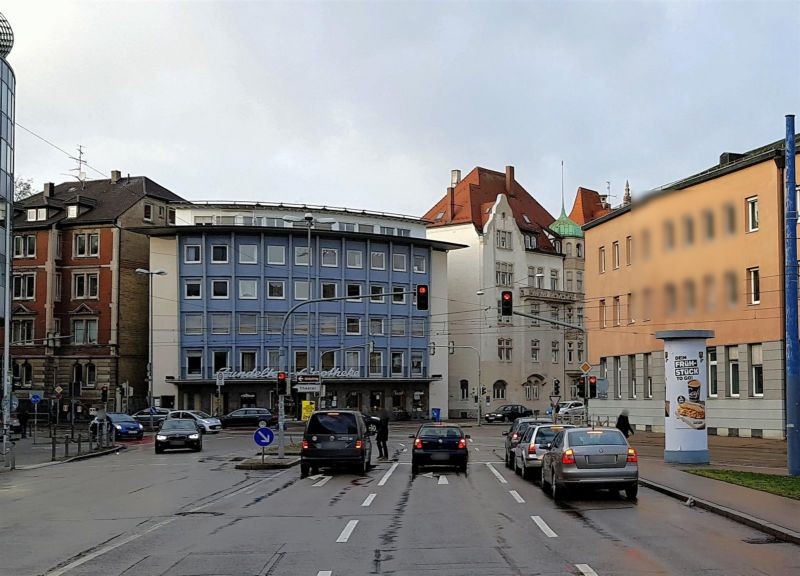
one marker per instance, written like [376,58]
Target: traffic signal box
[422,296]
[506,303]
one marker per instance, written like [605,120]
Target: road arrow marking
[316,477]
[443,480]
[348,530]
[321,482]
[550,534]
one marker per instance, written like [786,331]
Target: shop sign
[272,373]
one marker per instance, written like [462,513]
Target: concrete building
[235,269]
[511,245]
[705,252]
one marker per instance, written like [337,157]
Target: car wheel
[414,468]
[140,436]
[517,469]
[556,491]
[159,450]
[303,470]
[199,448]
[632,491]
[508,461]
[526,473]
[543,482]
[462,468]
[314,470]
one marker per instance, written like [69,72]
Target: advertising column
[685,370]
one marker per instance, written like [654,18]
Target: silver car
[527,455]
[205,422]
[592,457]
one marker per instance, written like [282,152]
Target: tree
[23,188]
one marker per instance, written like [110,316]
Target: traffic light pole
[478,390]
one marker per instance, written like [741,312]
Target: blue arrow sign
[263,436]
[35,399]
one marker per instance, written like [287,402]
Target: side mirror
[467,436]
[548,446]
[411,436]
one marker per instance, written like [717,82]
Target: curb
[779,532]
[256,464]
[105,452]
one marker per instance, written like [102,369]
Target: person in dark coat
[382,436]
[22,416]
[624,425]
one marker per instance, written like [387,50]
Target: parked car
[205,422]
[527,456]
[178,433]
[514,435]
[159,415]
[334,438]
[122,426]
[373,423]
[439,445]
[400,414]
[570,408]
[508,413]
[249,417]
[591,457]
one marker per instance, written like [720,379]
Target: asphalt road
[187,514]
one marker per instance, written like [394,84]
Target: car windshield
[523,426]
[121,418]
[546,434]
[596,438]
[201,414]
[333,423]
[179,425]
[439,432]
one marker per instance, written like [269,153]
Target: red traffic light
[423,289]
[506,295]
[592,379]
[281,375]
[506,303]
[422,296]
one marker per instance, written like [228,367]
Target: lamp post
[150,274]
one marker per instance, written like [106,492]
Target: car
[205,422]
[178,433]
[373,423]
[527,456]
[508,413]
[439,445]
[251,417]
[570,408]
[335,438]
[143,416]
[590,457]
[122,426]
[514,434]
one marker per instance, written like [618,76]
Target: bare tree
[23,188]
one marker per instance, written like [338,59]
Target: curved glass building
[7,87]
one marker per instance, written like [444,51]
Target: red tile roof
[587,206]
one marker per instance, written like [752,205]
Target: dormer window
[36,214]
[72,211]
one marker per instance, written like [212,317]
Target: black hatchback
[439,445]
[335,438]
[178,433]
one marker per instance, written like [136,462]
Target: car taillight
[532,449]
[632,455]
[462,443]
[359,444]
[305,445]
[568,457]
[514,436]
[418,443]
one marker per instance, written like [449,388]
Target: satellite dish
[6,37]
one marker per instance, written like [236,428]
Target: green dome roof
[566,227]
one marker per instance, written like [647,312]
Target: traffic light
[422,296]
[104,394]
[506,302]
[556,387]
[582,387]
[282,388]
[483,390]
[592,387]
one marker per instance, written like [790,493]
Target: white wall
[439,305]
[166,323]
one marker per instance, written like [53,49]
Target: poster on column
[685,374]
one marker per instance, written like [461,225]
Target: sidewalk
[28,456]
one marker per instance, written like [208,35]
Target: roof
[106,200]
[565,227]
[474,196]
[588,206]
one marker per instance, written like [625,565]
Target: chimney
[115,176]
[509,180]
[451,198]
[455,177]
[604,201]
[49,189]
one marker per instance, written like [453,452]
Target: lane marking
[324,573]
[477,449]
[443,480]
[348,530]
[388,473]
[316,476]
[368,500]
[321,482]
[496,473]
[237,492]
[106,549]
[550,534]
[517,497]
[586,570]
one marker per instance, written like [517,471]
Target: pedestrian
[22,416]
[382,436]
[624,425]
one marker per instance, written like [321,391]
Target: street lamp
[150,274]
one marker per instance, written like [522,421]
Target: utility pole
[7,324]
[790,280]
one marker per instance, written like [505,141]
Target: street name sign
[308,387]
[307,378]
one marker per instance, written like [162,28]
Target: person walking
[624,425]
[382,436]
[22,416]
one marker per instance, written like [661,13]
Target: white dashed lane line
[548,531]
[516,496]
[368,500]
[321,482]
[443,480]
[348,530]
[586,570]
[387,475]
[324,573]
[496,474]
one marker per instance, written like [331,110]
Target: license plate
[603,459]
[176,442]
[440,457]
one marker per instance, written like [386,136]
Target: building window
[24,286]
[194,363]
[300,322]
[300,360]
[418,327]
[22,331]
[504,273]
[602,307]
[712,372]
[688,230]
[329,289]
[628,250]
[72,211]
[420,264]
[276,255]
[85,285]
[647,366]
[398,327]
[554,312]
[669,235]
[579,250]
[754,282]
[503,239]
[248,254]
[579,281]
[84,331]
[247,360]
[273,359]
[464,385]
[219,289]
[504,349]
[248,323]
[219,253]
[353,325]
[499,390]
[354,292]
[631,376]
[248,289]
[387,230]
[328,324]
[25,246]
[221,362]
[530,241]
[554,351]
[377,260]
[417,359]
[301,256]
[193,324]
[397,363]
[670,299]
[376,293]
[148,212]
[275,290]
[602,259]
[569,248]
[91,375]
[709,298]
[691,296]
[274,323]
[568,287]
[535,311]
[301,290]
[731,288]
[220,323]
[87,245]
[708,222]
[752,214]
[618,379]
[733,370]
[554,280]
[192,289]
[615,254]
[398,296]
[756,370]
[631,311]
[580,316]
[534,350]
[330,257]
[328,360]
[376,363]
[376,326]
[355,259]
[399,262]
[570,352]
[192,254]
[646,244]
[171,216]
[616,311]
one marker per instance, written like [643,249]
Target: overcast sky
[371,104]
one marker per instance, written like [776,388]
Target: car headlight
[160,437]
[194,436]
[117,426]
[140,426]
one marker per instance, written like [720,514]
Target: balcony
[544,294]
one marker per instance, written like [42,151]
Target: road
[187,514]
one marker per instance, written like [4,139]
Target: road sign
[585,367]
[58,389]
[220,378]
[307,387]
[554,400]
[35,398]
[307,379]
[263,437]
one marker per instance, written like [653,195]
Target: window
[377,261]
[59,245]
[670,299]
[91,375]
[57,288]
[301,256]
[300,360]
[398,327]
[708,224]
[274,323]
[248,254]
[554,312]
[85,285]
[148,212]
[399,262]
[400,231]
[568,286]
[579,250]
[354,292]
[301,290]
[464,384]
[602,259]
[752,214]
[220,323]
[329,289]
[347,226]
[530,241]
[503,239]
[366,228]
[24,286]
[193,324]
[603,323]
[192,254]
[418,327]
[733,370]
[376,293]
[420,264]
[712,372]
[376,363]
[219,289]
[628,250]
[504,349]
[248,289]
[554,351]
[171,216]
[569,248]
[503,273]
[328,324]
[25,246]
[397,363]
[84,331]
[631,376]
[534,350]
[617,313]
[355,259]
[300,322]
[691,296]
[247,360]
[248,323]
[330,257]
[754,282]
[22,331]
[328,360]
[275,290]
[499,390]
[87,245]
[192,289]
[161,212]
[731,288]
[615,254]
[273,358]
[618,378]
[194,363]
[645,244]
[376,326]
[535,311]
[688,230]
[219,253]
[756,370]
[709,298]
[417,359]
[72,211]
[580,316]
[647,365]
[554,280]
[579,281]
[353,325]
[276,255]
[631,312]
[220,360]
[398,296]
[387,230]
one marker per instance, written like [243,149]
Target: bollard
[53,456]
[79,444]
[66,446]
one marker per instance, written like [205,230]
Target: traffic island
[270,462]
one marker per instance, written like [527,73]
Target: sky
[371,104]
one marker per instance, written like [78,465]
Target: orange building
[705,252]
